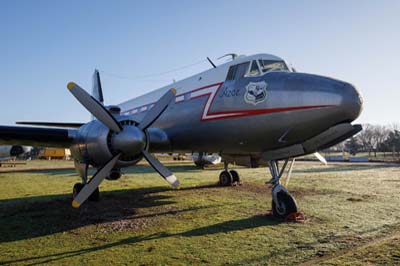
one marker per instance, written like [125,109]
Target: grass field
[353,218]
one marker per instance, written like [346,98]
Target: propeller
[94,107]
[126,140]
[98,177]
[161,169]
[157,109]
[321,158]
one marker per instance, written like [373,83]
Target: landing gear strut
[82,170]
[283,204]
[228,177]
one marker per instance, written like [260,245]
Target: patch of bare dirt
[138,221]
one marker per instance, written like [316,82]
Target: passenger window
[254,71]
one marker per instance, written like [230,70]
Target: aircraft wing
[51,124]
[34,136]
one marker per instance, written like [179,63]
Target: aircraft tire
[289,205]
[77,188]
[199,165]
[95,195]
[225,179]
[235,176]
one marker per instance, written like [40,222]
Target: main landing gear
[82,170]
[229,177]
[283,204]
[95,196]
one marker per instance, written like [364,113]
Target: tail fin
[97,91]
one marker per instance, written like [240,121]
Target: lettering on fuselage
[229,92]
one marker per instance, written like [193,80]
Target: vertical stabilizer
[97,91]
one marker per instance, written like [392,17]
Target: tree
[352,145]
[366,138]
[393,142]
[379,135]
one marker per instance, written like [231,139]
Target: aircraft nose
[352,103]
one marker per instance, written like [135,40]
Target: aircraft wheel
[225,179]
[199,165]
[95,195]
[77,188]
[287,205]
[235,176]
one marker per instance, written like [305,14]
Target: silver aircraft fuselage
[248,114]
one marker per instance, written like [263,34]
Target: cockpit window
[272,65]
[254,70]
[237,71]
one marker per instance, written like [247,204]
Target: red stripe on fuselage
[235,113]
[242,113]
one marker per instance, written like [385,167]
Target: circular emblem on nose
[256,92]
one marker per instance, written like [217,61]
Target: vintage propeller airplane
[252,111]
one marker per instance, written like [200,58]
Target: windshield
[272,65]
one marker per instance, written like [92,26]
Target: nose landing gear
[283,203]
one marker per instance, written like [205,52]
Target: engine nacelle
[201,159]
[16,150]
[95,144]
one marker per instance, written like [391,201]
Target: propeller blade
[98,177]
[94,107]
[320,158]
[161,169]
[157,109]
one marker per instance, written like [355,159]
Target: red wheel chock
[297,217]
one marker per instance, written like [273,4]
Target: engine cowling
[96,144]
[16,150]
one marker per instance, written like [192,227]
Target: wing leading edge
[50,124]
[33,136]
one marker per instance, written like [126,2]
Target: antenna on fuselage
[211,62]
[232,55]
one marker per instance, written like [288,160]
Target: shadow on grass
[24,218]
[44,215]
[224,227]
[137,169]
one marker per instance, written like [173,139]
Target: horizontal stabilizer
[51,124]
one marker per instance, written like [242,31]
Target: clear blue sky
[45,44]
